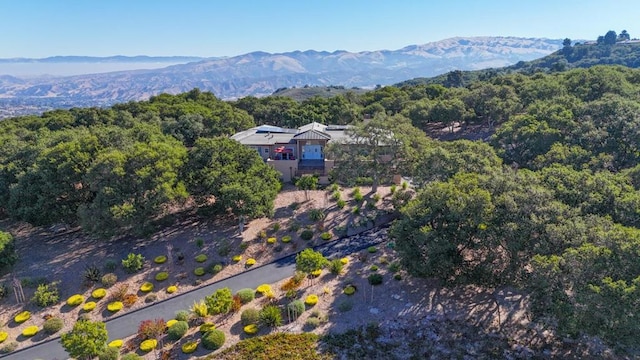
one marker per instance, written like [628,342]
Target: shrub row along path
[127,324]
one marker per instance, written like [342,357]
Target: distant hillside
[261,73]
[106,59]
[306,92]
[625,53]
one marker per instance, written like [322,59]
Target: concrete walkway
[127,324]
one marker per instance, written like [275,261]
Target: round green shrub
[286,239]
[372,249]
[131,356]
[349,290]
[216,268]
[249,316]
[183,315]
[199,271]
[326,236]
[375,279]
[246,295]
[160,259]
[110,353]
[109,279]
[295,308]
[306,234]
[162,276]
[201,258]
[312,322]
[52,325]
[178,330]
[373,268]
[189,347]
[213,340]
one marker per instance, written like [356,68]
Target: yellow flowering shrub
[88,306]
[344,261]
[148,345]
[3,336]
[115,343]
[251,329]
[22,317]
[189,347]
[263,289]
[99,293]
[146,287]
[30,331]
[237,258]
[272,240]
[171,289]
[251,262]
[311,300]
[75,300]
[115,306]
[171,322]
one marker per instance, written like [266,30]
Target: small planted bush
[201,258]
[326,236]
[286,239]
[373,268]
[46,294]
[3,336]
[199,271]
[213,340]
[250,329]
[237,258]
[99,293]
[117,343]
[372,249]
[148,345]
[171,289]
[89,306]
[336,266]
[75,300]
[182,315]
[171,322]
[52,325]
[341,204]
[349,290]
[178,330]
[133,263]
[375,279]
[336,195]
[249,316]
[129,300]
[216,268]
[271,240]
[397,277]
[306,234]
[162,276]
[109,279]
[189,347]
[30,331]
[246,295]
[344,261]
[316,273]
[271,316]
[206,327]
[115,306]
[22,317]
[358,197]
[146,287]
[160,259]
[264,289]
[295,308]
[311,300]
[250,262]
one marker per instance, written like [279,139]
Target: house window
[266,150]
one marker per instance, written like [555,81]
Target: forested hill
[550,205]
[625,53]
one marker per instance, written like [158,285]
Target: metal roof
[312,135]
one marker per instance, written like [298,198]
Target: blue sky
[31,28]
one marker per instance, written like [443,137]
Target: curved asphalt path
[127,324]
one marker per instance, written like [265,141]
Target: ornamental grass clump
[246,295]
[146,287]
[75,300]
[99,293]
[375,279]
[249,316]
[22,317]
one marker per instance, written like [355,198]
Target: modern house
[294,152]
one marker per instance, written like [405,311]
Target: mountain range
[261,73]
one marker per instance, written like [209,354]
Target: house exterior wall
[287,168]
